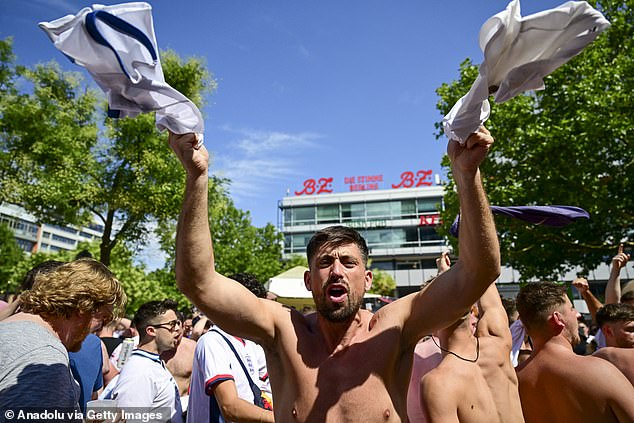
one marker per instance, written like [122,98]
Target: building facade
[399,226]
[33,237]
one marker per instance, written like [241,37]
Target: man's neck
[459,341]
[339,335]
[149,346]
[556,342]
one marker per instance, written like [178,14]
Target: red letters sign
[429,220]
[408,180]
[367,183]
[321,186]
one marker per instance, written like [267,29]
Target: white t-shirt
[145,382]
[214,362]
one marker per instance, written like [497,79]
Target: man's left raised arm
[453,292]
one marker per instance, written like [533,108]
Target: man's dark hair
[611,313]
[536,300]
[83,254]
[627,296]
[334,236]
[44,267]
[251,282]
[509,306]
[148,313]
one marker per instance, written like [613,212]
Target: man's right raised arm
[613,288]
[226,302]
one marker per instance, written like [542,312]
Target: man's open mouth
[337,293]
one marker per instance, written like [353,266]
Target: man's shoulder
[615,352]
[442,380]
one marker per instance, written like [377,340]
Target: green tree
[10,256]
[382,283]
[569,144]
[63,169]
[139,285]
[241,247]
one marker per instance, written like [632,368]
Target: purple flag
[556,216]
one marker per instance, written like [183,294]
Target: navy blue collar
[152,356]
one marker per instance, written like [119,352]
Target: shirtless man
[476,381]
[427,356]
[179,362]
[617,323]
[557,385]
[341,364]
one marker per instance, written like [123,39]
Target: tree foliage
[60,166]
[65,167]
[570,144]
[240,247]
[10,256]
[382,283]
[139,286]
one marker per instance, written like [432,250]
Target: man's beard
[78,340]
[341,313]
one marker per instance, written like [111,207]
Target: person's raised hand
[581,284]
[443,263]
[467,157]
[195,160]
[620,259]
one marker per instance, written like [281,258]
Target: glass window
[96,227]
[25,245]
[299,242]
[65,229]
[288,246]
[303,215]
[383,265]
[328,213]
[352,211]
[288,216]
[408,209]
[382,209]
[429,204]
[408,265]
[428,234]
[411,237]
[385,238]
[63,239]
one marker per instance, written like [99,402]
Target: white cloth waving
[518,53]
[117,46]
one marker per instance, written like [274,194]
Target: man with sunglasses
[145,385]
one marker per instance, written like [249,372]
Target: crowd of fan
[454,351]
[163,359]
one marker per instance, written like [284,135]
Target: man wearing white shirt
[226,371]
[145,385]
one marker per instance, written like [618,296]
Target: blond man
[55,316]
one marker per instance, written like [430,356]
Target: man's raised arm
[454,291]
[226,302]
[613,288]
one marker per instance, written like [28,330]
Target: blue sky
[306,89]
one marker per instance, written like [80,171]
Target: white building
[399,226]
[33,236]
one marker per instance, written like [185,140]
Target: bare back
[622,358]
[499,375]
[366,381]
[457,391]
[556,385]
